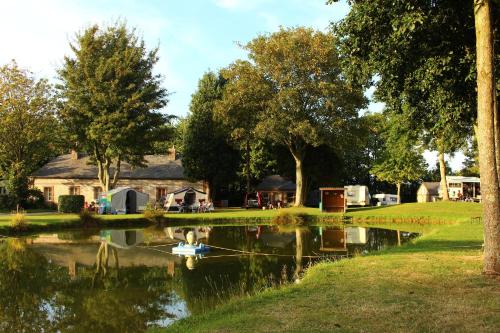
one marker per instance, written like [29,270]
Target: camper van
[386,199]
[357,195]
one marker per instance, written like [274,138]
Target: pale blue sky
[193,35]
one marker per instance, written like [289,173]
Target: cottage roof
[66,167]
[432,187]
[276,183]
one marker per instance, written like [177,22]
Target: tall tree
[206,153]
[487,144]
[401,161]
[310,102]
[27,127]
[111,99]
[244,98]
[422,56]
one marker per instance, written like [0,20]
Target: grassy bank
[413,213]
[432,285]
[56,221]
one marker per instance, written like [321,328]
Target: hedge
[70,203]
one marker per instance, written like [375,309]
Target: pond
[129,280]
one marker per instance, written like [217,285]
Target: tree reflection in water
[24,289]
[38,296]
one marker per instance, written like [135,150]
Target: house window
[97,192]
[48,194]
[161,192]
[3,190]
[74,190]
[459,185]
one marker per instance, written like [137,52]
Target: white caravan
[357,195]
[386,199]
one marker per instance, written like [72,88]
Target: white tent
[187,197]
[126,200]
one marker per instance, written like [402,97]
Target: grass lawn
[439,211]
[446,211]
[432,285]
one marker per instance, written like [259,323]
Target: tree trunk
[116,174]
[497,134]
[398,185]
[298,156]
[209,190]
[486,140]
[442,172]
[247,162]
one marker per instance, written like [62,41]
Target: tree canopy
[308,102]
[28,128]
[111,98]
[207,155]
[400,161]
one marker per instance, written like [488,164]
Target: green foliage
[70,203]
[401,161]
[18,221]
[422,55]
[471,163]
[87,218]
[153,214]
[111,99]
[27,128]
[287,218]
[35,198]
[207,155]
[292,93]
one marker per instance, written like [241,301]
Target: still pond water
[128,280]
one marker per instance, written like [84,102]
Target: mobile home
[357,195]
[386,199]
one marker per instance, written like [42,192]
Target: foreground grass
[432,285]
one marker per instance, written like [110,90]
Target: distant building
[459,187]
[74,174]
[276,188]
[428,192]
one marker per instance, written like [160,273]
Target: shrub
[6,201]
[153,214]
[18,221]
[35,198]
[87,218]
[286,218]
[71,203]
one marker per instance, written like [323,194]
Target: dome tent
[126,200]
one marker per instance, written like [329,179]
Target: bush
[153,214]
[6,202]
[71,203]
[87,218]
[35,198]
[286,218]
[18,221]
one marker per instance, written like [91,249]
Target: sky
[193,36]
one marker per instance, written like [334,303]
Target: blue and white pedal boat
[190,250]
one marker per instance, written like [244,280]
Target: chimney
[171,154]
[74,154]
